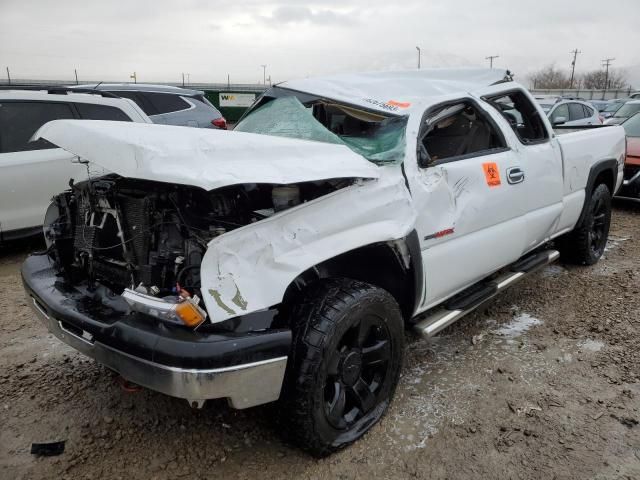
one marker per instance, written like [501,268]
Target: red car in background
[631,184]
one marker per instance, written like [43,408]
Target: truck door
[470,216]
[539,160]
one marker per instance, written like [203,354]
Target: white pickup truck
[282,261]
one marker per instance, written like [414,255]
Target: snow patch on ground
[518,326]
[437,389]
[613,242]
[591,345]
[553,270]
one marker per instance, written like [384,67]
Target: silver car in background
[627,110]
[571,113]
[168,105]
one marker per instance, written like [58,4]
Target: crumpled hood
[203,158]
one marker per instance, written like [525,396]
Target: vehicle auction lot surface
[544,383]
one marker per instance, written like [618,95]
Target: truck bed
[583,147]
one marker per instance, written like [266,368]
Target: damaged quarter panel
[250,268]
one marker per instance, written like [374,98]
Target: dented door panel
[467,211]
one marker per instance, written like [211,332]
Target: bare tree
[596,79]
[549,77]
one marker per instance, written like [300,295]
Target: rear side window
[203,99]
[576,112]
[89,111]
[143,103]
[165,102]
[20,120]
[522,115]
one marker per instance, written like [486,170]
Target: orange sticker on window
[491,174]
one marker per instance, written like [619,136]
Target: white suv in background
[571,113]
[32,172]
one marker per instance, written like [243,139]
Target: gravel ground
[544,383]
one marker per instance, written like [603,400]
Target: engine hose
[183,271]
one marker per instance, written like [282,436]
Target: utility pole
[8,76]
[419,55]
[182,79]
[264,74]
[606,63]
[135,77]
[228,81]
[573,66]
[76,72]
[490,58]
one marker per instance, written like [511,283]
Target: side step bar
[478,294]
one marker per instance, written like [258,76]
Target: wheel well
[605,177]
[387,265]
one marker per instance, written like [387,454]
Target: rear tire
[348,340]
[586,243]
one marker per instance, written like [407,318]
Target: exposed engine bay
[145,240]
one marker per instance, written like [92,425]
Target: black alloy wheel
[358,367]
[348,340]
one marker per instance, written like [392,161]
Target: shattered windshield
[376,137]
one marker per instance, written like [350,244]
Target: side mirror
[559,120]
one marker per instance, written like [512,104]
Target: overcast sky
[159,39]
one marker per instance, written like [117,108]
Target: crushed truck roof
[396,92]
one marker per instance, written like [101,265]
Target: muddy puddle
[439,387]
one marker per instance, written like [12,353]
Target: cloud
[295,14]
[159,39]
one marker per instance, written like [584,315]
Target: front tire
[586,243]
[345,365]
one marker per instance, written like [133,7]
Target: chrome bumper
[244,385]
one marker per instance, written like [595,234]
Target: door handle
[515,175]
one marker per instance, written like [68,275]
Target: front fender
[249,269]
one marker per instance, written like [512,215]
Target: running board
[480,293]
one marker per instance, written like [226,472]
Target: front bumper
[248,368]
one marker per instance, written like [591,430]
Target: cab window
[455,132]
[522,115]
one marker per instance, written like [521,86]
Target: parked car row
[570,112]
[167,105]
[33,171]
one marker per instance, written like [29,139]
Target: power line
[573,65]
[490,58]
